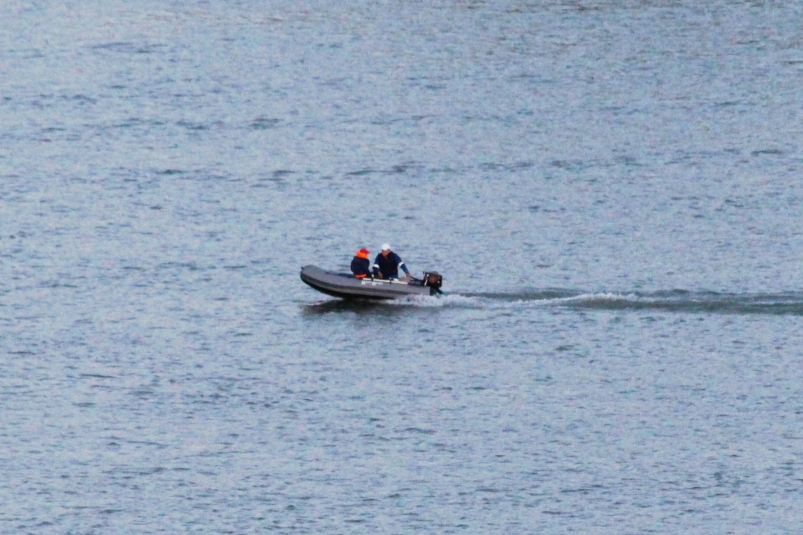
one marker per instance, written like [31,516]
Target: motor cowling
[433,280]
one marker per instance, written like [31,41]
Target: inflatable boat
[346,286]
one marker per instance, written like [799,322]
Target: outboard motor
[433,279]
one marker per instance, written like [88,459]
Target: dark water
[611,190]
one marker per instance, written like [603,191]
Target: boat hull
[347,287]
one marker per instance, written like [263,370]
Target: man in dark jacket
[387,264]
[360,265]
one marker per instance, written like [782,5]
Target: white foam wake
[455,300]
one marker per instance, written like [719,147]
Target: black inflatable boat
[346,286]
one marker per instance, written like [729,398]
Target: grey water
[611,190]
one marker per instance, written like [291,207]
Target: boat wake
[678,301]
[790,303]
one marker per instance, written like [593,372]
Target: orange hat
[363,253]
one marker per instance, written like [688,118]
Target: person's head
[385,249]
[363,253]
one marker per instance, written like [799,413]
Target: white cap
[385,247]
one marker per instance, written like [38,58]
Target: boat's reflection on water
[368,307]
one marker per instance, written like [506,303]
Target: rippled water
[611,190]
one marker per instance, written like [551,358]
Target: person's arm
[404,268]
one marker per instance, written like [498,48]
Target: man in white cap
[387,264]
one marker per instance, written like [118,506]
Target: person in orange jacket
[360,265]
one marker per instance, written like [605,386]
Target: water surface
[609,188]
